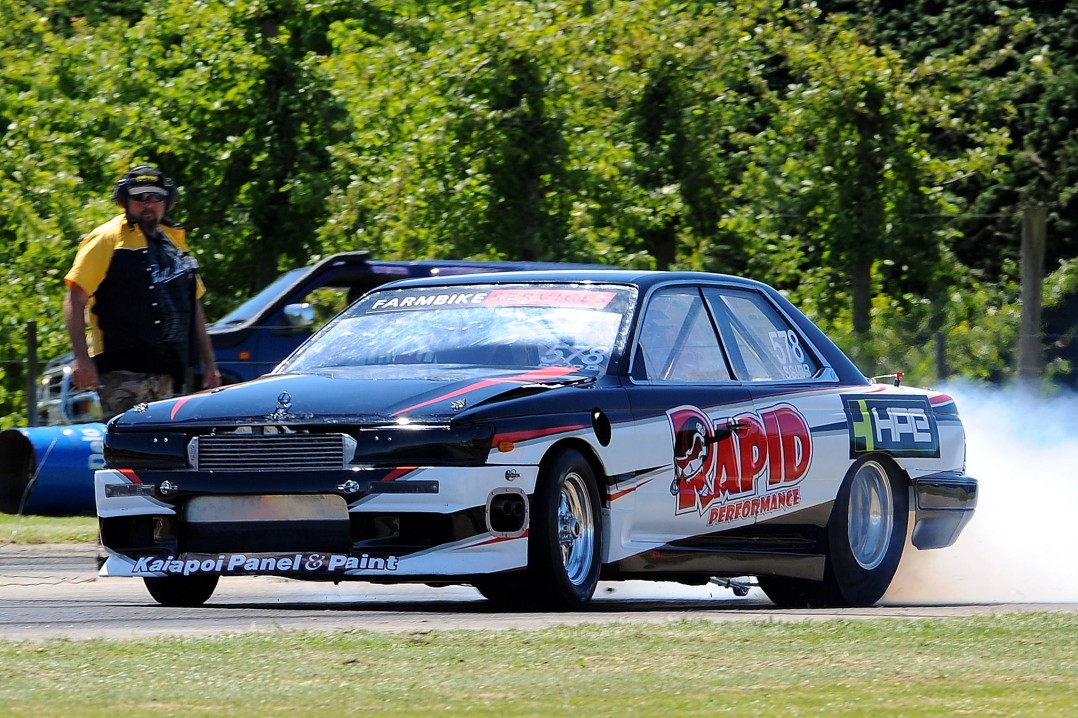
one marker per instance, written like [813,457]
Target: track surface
[54,592]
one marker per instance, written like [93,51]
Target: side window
[763,345]
[677,341]
[327,303]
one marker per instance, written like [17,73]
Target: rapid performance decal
[716,468]
[902,427]
[238,564]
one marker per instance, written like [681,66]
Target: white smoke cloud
[1020,545]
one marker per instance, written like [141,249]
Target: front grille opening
[323,536]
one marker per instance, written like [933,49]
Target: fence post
[31,373]
[942,370]
[1029,333]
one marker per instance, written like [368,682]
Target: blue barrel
[49,470]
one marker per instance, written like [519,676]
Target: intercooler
[271,452]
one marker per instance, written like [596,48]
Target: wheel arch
[893,467]
[590,455]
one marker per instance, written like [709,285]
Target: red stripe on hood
[179,402]
[549,372]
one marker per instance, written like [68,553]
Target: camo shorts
[120,390]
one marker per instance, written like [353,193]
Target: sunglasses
[149,198]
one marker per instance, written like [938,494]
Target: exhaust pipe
[507,506]
[49,470]
[507,512]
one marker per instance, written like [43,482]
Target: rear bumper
[944,504]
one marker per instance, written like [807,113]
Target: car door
[688,409]
[800,436]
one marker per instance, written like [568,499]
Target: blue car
[530,433]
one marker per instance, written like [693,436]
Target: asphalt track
[54,592]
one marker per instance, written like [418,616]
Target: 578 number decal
[786,347]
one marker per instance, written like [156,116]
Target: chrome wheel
[565,537]
[871,515]
[576,528]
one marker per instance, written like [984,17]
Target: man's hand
[83,369]
[211,379]
[84,373]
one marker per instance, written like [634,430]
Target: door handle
[724,432]
[736,424]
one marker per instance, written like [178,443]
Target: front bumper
[944,504]
[435,522]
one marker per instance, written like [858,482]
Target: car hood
[354,395]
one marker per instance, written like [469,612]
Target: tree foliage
[870,159]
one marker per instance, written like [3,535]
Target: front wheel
[565,542]
[184,591]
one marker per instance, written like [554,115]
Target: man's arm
[211,377]
[84,371]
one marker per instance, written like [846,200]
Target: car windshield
[496,325]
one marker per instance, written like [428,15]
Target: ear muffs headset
[120,193]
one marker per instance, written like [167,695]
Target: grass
[1011,665]
[47,529]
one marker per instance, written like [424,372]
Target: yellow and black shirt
[142,296]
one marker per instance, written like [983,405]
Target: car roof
[644,279]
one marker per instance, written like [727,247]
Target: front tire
[566,535]
[182,591]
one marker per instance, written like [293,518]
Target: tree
[849,187]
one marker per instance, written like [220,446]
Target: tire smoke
[1021,543]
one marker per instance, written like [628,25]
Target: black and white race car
[532,433]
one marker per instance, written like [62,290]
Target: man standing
[135,280]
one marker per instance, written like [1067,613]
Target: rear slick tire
[866,534]
[867,531]
[787,592]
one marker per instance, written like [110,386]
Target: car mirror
[299,317]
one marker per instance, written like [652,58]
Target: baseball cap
[146,180]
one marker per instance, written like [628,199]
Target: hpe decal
[901,427]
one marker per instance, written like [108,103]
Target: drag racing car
[531,433]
